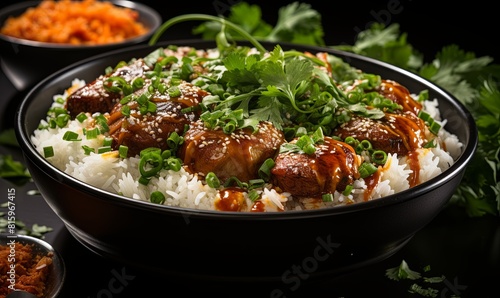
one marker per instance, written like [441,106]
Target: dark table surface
[466,251]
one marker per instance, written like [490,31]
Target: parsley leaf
[402,271]
[8,138]
[385,44]
[448,69]
[13,171]
[428,292]
[297,23]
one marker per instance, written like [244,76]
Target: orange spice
[31,269]
[86,22]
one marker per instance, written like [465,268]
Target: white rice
[113,174]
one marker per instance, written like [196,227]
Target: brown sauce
[371,182]
[332,167]
[231,199]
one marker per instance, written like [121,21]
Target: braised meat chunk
[400,131]
[400,95]
[394,133]
[332,167]
[139,131]
[94,98]
[239,154]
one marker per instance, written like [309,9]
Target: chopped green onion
[48,151]
[87,150]
[157,197]
[174,140]
[71,136]
[255,183]
[125,110]
[365,145]
[81,117]
[126,99]
[229,127]
[327,197]
[174,164]
[166,154]
[212,180]
[253,195]
[431,144]
[103,149]
[318,136]
[175,81]
[150,163]
[423,95]
[148,150]
[144,180]
[62,120]
[379,157]
[351,141]
[366,169]
[348,190]
[114,84]
[265,169]
[107,141]
[233,180]
[138,83]
[123,151]
[306,144]
[174,91]
[92,133]
[162,88]
[433,125]
[52,123]
[102,122]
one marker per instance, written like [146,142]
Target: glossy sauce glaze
[138,131]
[238,154]
[332,167]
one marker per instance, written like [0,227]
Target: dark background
[430,25]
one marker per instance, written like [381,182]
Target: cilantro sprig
[403,272]
[277,85]
[297,23]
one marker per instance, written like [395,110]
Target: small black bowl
[57,272]
[235,246]
[25,62]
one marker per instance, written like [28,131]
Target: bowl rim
[457,168]
[26,239]
[153,16]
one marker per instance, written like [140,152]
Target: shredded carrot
[88,22]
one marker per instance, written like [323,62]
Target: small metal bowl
[57,272]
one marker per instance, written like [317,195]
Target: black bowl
[57,272]
[26,62]
[232,245]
